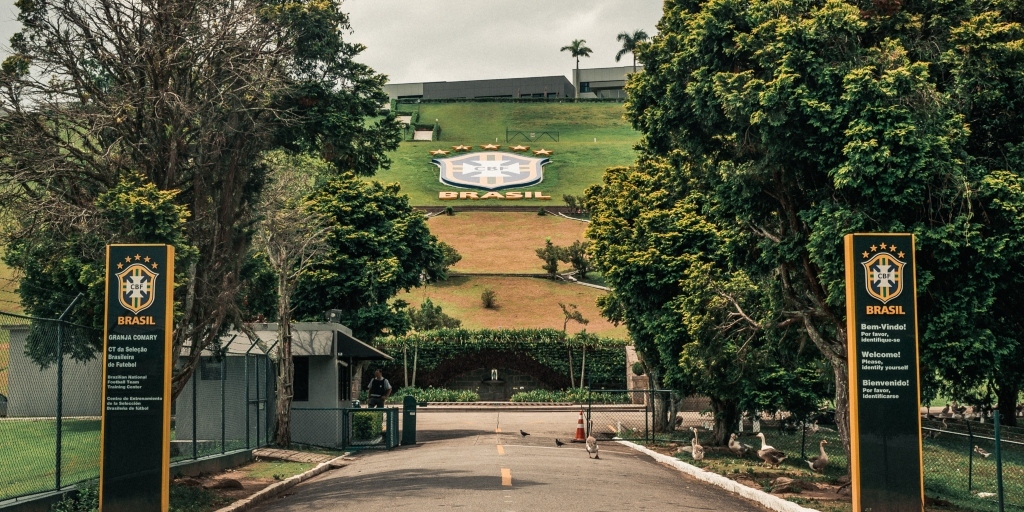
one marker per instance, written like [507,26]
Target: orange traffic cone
[581,436]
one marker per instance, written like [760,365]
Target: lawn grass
[522,302]
[576,163]
[276,469]
[503,242]
[27,454]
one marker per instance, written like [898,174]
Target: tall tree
[291,237]
[795,123]
[188,94]
[577,49]
[629,43]
[378,245]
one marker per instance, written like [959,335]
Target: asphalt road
[479,461]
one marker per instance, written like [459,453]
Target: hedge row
[546,350]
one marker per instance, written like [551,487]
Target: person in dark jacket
[379,390]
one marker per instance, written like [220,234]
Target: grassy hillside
[503,242]
[576,163]
[521,302]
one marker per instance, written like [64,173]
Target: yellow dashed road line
[501,450]
[506,477]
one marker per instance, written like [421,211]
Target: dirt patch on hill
[503,242]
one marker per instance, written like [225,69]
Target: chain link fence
[962,464]
[343,428]
[50,403]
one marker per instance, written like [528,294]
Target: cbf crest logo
[491,170]
[883,272]
[137,284]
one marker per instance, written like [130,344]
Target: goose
[945,410]
[592,448]
[819,463]
[979,451]
[698,450]
[813,427]
[737,447]
[768,454]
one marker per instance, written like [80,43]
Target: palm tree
[577,49]
[629,42]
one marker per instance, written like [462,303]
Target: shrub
[489,298]
[574,395]
[551,254]
[638,368]
[576,255]
[366,425]
[449,211]
[432,394]
[542,212]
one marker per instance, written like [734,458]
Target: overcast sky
[434,40]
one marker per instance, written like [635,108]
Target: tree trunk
[415,361]
[727,416]
[842,403]
[1007,395]
[583,366]
[572,371]
[285,369]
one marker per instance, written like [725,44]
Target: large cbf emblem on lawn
[491,170]
[883,273]
[136,284]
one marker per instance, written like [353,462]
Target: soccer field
[577,160]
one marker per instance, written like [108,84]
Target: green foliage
[572,314]
[771,130]
[489,298]
[87,500]
[575,204]
[638,368]
[257,298]
[366,425]
[378,245]
[542,212]
[430,317]
[67,261]
[572,395]
[606,357]
[432,394]
[449,211]
[576,255]
[551,254]
[450,257]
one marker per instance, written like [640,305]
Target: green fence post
[60,390]
[223,407]
[247,425]
[195,417]
[999,461]
[970,457]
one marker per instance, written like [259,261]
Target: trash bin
[409,420]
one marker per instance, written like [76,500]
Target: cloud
[435,40]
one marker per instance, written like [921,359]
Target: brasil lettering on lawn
[510,196]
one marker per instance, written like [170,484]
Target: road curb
[764,499]
[273,490]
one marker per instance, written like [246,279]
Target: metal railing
[345,428]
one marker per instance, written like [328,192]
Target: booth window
[584,86]
[344,381]
[300,385]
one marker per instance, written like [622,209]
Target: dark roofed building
[531,87]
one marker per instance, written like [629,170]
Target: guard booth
[328,362]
